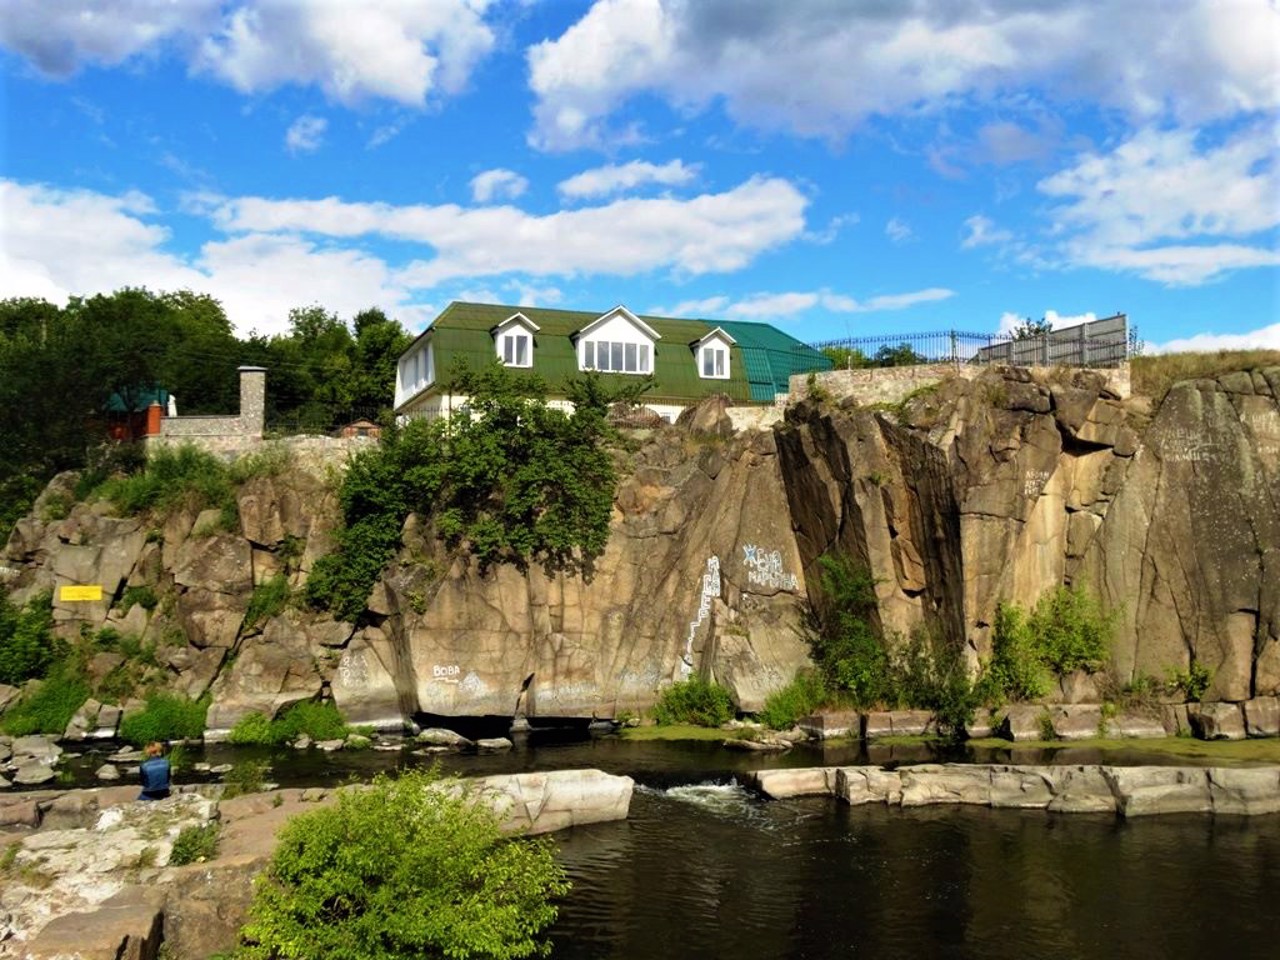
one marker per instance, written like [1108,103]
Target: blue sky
[837,167]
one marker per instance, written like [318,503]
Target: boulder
[1080,789]
[1078,721]
[1132,724]
[1021,787]
[493,744]
[127,926]
[1262,716]
[929,784]
[796,782]
[1217,721]
[859,785]
[1245,790]
[440,737]
[1143,791]
[1023,722]
[542,802]
[35,747]
[32,772]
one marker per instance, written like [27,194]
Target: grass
[1266,750]
[1154,375]
[676,731]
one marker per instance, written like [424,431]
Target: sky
[839,168]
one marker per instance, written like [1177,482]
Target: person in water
[155,773]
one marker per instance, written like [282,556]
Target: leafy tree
[847,358]
[27,647]
[900,356]
[841,626]
[408,868]
[1030,329]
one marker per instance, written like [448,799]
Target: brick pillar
[253,400]
[154,413]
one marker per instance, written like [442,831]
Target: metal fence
[1100,343]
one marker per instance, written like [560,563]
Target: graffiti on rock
[446,673]
[710,591]
[764,569]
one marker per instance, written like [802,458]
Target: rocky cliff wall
[969,492]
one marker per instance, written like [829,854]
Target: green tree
[1030,329]
[847,358]
[408,868]
[900,356]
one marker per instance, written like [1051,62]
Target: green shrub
[1071,631]
[697,701]
[1016,671]
[170,477]
[50,707]
[799,698]
[195,845]
[269,599]
[1193,682]
[143,596]
[408,868]
[319,721]
[930,673]
[27,646]
[167,716]
[841,628]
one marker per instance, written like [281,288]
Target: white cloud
[898,230]
[763,306]
[820,68]
[497,184]
[59,243]
[983,232]
[305,134]
[1264,338]
[397,50]
[616,178]
[1169,208]
[708,233]
[60,37]
[1010,321]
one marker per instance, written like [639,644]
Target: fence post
[1084,346]
[955,353]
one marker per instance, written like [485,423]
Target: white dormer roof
[516,318]
[717,334]
[620,311]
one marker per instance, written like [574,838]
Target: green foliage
[1193,681]
[1029,329]
[195,845]
[696,701]
[515,481]
[319,721]
[408,868]
[50,707]
[900,356]
[847,358]
[143,596]
[244,777]
[1066,631]
[167,716]
[1016,671]
[172,477]
[27,647]
[269,599]
[840,625]
[799,698]
[930,673]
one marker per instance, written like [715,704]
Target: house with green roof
[751,363]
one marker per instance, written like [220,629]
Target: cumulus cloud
[497,184]
[820,68]
[765,306]
[707,233]
[617,178]
[1264,338]
[407,52]
[1010,321]
[1168,206]
[305,134]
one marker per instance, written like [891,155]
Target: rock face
[982,488]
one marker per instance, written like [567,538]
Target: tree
[407,868]
[846,358]
[900,356]
[1029,329]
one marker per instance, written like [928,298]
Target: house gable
[713,355]
[617,342]
[513,340]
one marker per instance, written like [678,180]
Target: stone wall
[226,436]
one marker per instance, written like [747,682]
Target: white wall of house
[714,357]
[447,404]
[636,347]
[415,371]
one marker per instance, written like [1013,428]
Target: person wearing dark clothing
[155,774]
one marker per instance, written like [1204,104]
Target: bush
[170,477]
[697,701]
[1071,632]
[1015,671]
[50,707]
[803,695]
[167,716]
[840,626]
[195,844]
[408,868]
[27,647]
[1194,681]
[930,673]
[319,721]
[269,599]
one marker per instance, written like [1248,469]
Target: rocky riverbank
[1083,788]
[87,873]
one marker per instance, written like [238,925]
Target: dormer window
[513,340]
[617,342]
[712,353]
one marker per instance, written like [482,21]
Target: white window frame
[634,358]
[509,345]
[714,351]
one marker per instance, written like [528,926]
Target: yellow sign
[88,592]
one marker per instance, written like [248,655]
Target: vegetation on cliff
[407,868]
[695,701]
[517,481]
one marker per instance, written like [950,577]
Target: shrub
[840,628]
[144,597]
[27,646]
[50,707]
[319,721]
[408,868]
[1015,671]
[166,716]
[797,699]
[697,701]
[253,728]
[930,673]
[195,844]
[1194,681]
[269,599]
[1071,631]
[170,477]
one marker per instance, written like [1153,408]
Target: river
[704,869]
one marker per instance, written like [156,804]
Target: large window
[715,362]
[516,349]
[615,357]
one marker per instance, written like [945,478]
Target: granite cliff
[975,489]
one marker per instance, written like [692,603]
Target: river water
[705,869]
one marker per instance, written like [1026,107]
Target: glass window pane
[708,362]
[589,355]
[506,349]
[719,363]
[644,358]
[631,358]
[522,351]
[615,356]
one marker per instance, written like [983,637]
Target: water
[703,868]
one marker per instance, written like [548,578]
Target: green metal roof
[141,398]
[759,363]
